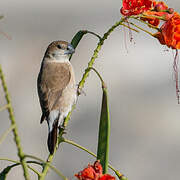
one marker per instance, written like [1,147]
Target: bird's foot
[80,91]
[62,129]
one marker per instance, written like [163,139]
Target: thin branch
[46,164]
[6,133]
[90,32]
[79,146]
[96,51]
[120,175]
[101,79]
[15,130]
[10,160]
[141,28]
[35,171]
[4,107]
[152,16]
[17,163]
[150,25]
[130,28]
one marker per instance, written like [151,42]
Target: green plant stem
[35,171]
[6,133]
[10,160]
[79,146]
[101,79]
[14,161]
[141,29]
[90,32]
[150,25]
[15,129]
[130,28]
[96,51]
[48,164]
[91,153]
[17,163]
[65,122]
[4,107]
[152,16]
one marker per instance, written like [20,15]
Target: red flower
[135,7]
[170,32]
[150,19]
[107,177]
[94,172]
[159,9]
[160,6]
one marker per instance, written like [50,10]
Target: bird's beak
[70,50]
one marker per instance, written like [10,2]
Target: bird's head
[59,51]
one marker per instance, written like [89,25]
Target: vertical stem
[96,51]
[46,167]
[15,130]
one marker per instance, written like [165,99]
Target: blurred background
[145,115]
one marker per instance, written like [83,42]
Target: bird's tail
[52,136]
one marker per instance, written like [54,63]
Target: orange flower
[107,177]
[170,32]
[160,9]
[94,172]
[150,19]
[159,6]
[135,7]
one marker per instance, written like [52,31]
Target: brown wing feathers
[51,82]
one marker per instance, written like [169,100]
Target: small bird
[56,87]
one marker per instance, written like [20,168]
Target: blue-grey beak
[70,49]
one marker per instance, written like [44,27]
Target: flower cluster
[94,172]
[135,7]
[161,10]
[152,11]
[169,33]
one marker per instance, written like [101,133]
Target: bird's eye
[59,46]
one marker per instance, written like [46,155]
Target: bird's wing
[52,80]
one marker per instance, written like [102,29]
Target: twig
[6,133]
[15,130]
[96,51]
[91,153]
[90,32]
[141,28]
[17,163]
[47,164]
[150,25]
[4,107]
[130,28]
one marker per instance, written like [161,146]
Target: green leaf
[104,132]
[4,173]
[76,39]
[78,36]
